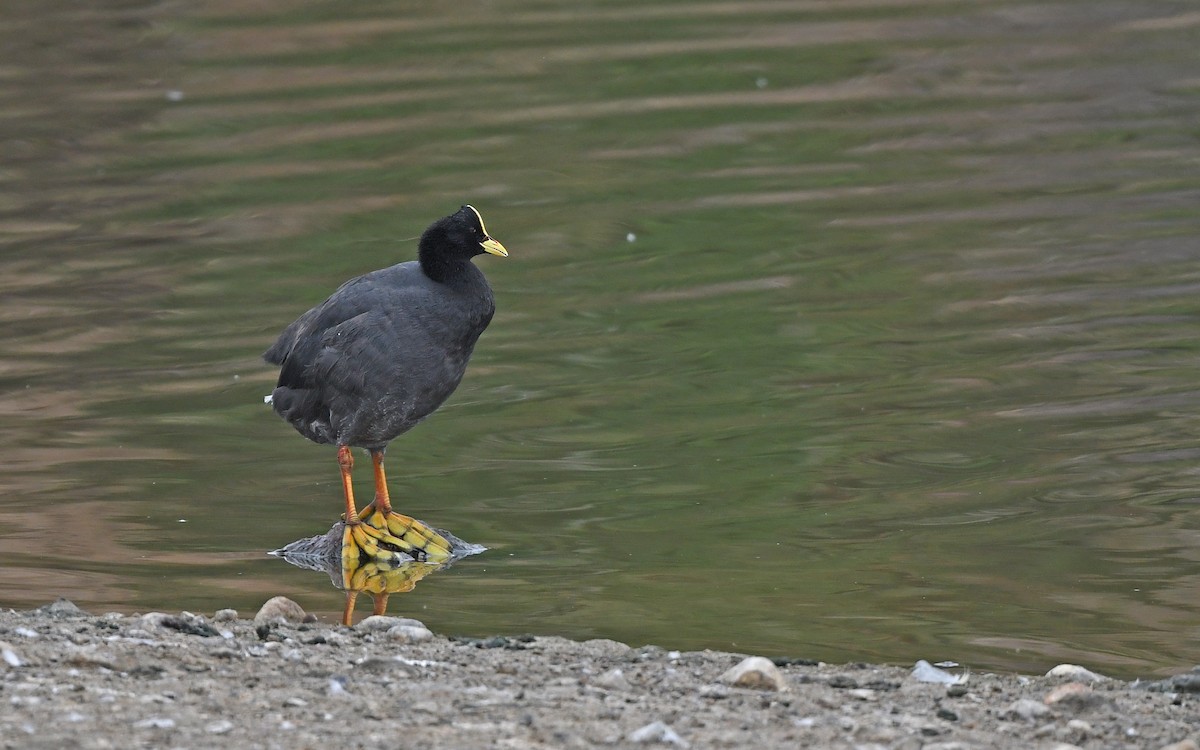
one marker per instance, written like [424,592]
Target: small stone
[154,619]
[1181,745]
[956,691]
[1029,710]
[1080,728]
[409,633]
[613,679]
[923,671]
[1189,682]
[225,615]
[384,623]
[1074,696]
[154,722]
[295,703]
[280,610]
[1075,673]
[62,608]
[755,672]
[608,648]
[714,691]
[862,694]
[189,624]
[9,655]
[223,726]
[658,732]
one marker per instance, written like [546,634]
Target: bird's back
[380,354]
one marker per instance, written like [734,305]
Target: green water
[854,331]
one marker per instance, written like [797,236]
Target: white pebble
[409,634]
[658,732]
[384,623]
[613,679]
[155,722]
[1075,672]
[279,609]
[9,655]
[923,671]
[755,672]
[219,727]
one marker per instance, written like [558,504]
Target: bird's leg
[382,502]
[381,602]
[346,463]
[348,612]
[396,531]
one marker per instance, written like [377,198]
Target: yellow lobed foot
[377,576]
[396,532]
[385,578]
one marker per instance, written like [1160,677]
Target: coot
[381,354]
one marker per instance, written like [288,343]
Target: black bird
[381,354]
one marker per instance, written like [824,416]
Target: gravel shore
[281,680]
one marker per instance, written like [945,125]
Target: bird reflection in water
[392,561]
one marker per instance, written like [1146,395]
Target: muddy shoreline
[283,680]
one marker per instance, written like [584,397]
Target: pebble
[280,609]
[154,722]
[714,691]
[1026,709]
[755,672]
[608,648]
[9,655]
[222,726]
[384,623]
[63,608]
[923,671]
[154,619]
[225,615]
[1076,673]
[1074,696]
[658,732]
[613,679]
[409,633]
[1189,682]
[1181,745]
[1076,730]
[189,624]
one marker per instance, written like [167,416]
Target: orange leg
[348,612]
[381,602]
[382,502]
[346,463]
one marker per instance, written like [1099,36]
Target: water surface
[855,331]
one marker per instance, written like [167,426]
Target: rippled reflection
[354,571]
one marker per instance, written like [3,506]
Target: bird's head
[456,239]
